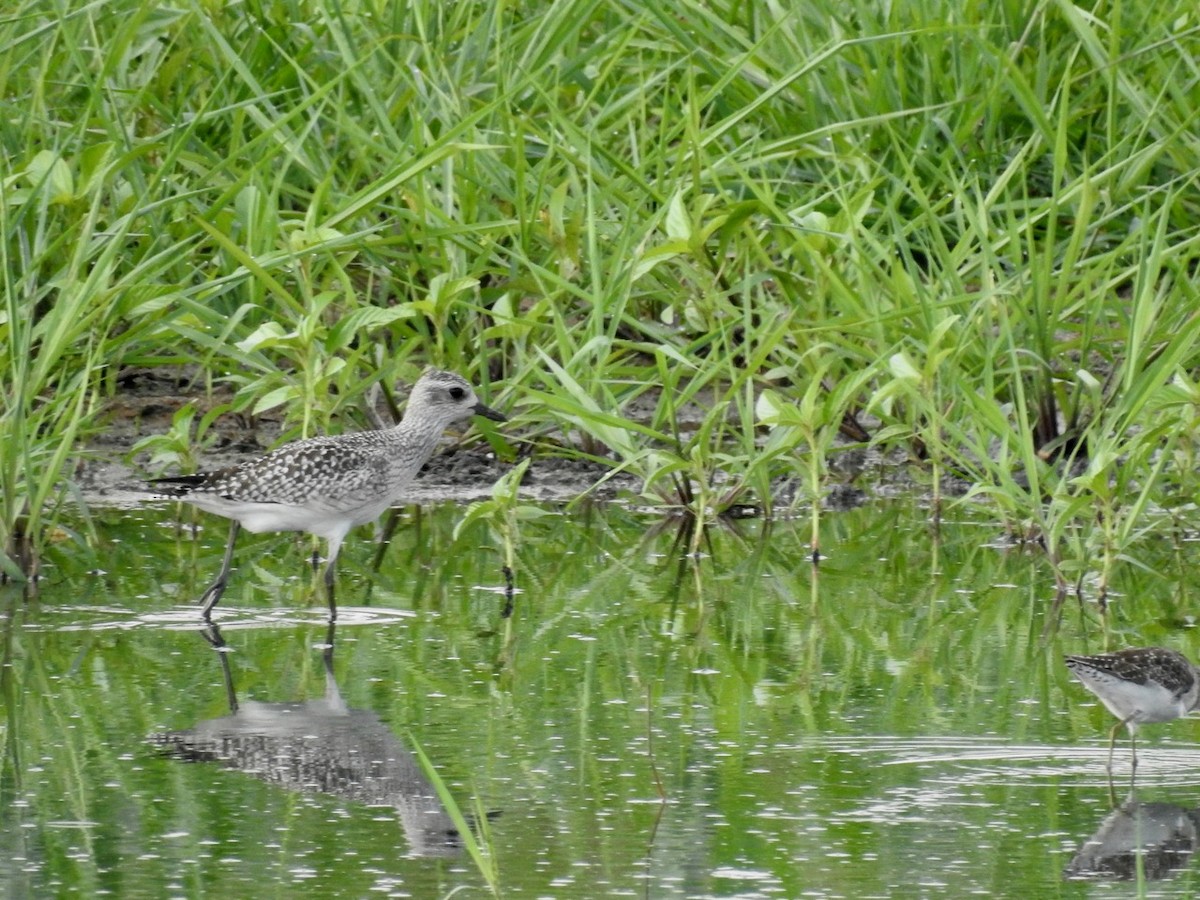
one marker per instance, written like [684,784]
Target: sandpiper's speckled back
[349,479]
[1142,684]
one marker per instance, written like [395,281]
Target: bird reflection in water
[320,746]
[1159,838]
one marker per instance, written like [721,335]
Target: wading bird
[328,485]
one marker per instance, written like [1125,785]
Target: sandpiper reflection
[320,746]
[1161,837]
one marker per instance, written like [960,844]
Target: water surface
[647,723]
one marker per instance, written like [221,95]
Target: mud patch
[110,473]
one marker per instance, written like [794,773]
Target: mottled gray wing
[326,467]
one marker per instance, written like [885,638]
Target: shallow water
[645,725]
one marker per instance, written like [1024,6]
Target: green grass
[972,224]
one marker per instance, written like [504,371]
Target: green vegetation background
[969,227]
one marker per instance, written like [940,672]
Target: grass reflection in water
[891,723]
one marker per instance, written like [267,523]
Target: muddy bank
[110,473]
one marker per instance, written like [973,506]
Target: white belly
[263,517]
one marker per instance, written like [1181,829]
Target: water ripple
[184,618]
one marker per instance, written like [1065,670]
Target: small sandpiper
[1139,686]
[328,485]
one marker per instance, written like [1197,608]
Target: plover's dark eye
[457,393]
